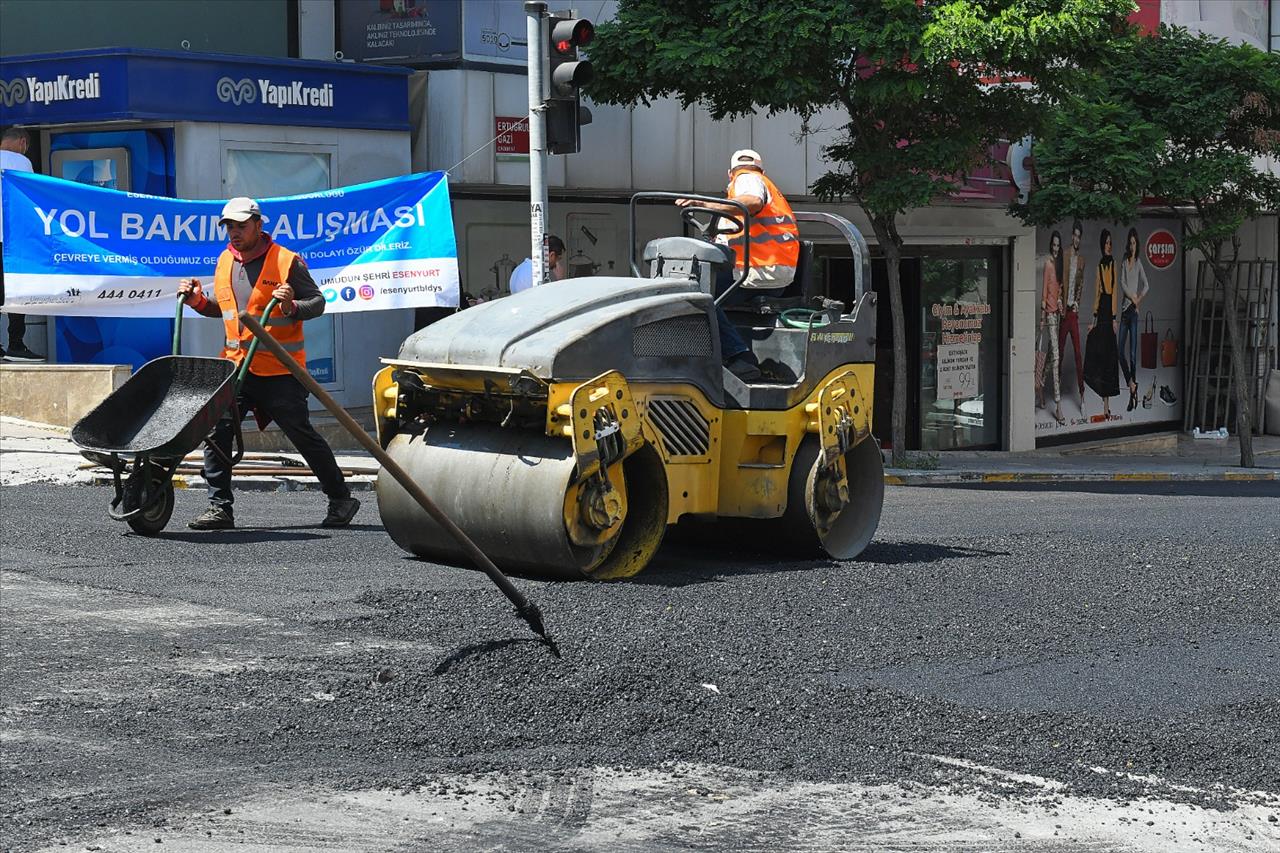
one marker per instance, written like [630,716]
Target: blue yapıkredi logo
[330,295]
[348,294]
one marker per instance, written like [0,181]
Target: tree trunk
[891,245]
[1225,274]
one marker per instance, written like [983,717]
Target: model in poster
[1072,296]
[1101,356]
[1133,289]
[1050,324]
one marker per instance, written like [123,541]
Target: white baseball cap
[746,157]
[240,210]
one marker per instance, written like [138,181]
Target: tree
[1182,118]
[912,80]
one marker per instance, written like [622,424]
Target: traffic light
[566,75]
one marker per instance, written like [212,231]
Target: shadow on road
[476,650]
[906,553]
[241,535]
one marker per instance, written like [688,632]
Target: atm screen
[101,167]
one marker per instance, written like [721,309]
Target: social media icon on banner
[348,293]
[330,295]
[366,292]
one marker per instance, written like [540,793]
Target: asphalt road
[1004,669]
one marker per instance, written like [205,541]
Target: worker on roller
[774,250]
[251,271]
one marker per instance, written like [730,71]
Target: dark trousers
[1070,327]
[731,341]
[1129,344]
[285,400]
[17,322]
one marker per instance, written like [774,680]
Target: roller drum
[505,488]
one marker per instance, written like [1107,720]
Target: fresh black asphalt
[1124,642]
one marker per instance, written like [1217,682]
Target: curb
[357,483]
[957,478]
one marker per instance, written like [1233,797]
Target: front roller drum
[816,515]
[510,491]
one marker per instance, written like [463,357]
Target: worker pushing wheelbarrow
[176,403]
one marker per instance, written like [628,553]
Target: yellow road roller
[565,427]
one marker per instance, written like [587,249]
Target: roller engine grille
[675,336]
[684,431]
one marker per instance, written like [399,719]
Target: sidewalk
[38,453]
[1185,460]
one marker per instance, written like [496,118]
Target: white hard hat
[240,210]
[746,157]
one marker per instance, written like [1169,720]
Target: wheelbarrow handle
[177,323]
[253,348]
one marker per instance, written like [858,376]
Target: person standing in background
[1133,289]
[13,156]
[522,275]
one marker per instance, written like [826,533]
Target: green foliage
[908,77]
[1183,118]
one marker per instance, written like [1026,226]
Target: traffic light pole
[535,14]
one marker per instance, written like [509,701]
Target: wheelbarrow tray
[164,410]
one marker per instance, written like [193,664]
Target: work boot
[745,367]
[213,518]
[21,353]
[341,511]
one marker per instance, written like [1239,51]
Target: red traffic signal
[571,33]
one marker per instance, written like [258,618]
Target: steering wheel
[710,229]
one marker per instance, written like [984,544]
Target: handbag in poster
[1169,349]
[1148,343]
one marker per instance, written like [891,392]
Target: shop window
[260,173]
[959,379]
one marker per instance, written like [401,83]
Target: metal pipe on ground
[526,609]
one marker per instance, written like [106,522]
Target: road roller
[566,427]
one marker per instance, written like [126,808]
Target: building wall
[254,27]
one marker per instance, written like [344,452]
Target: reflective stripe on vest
[775,239]
[286,330]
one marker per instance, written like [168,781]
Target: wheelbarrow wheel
[153,519]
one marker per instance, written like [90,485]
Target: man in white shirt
[522,276]
[13,155]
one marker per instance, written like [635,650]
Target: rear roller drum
[816,517]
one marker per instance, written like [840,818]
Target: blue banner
[76,249]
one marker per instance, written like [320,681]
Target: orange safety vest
[775,239]
[287,330]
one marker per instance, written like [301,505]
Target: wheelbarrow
[144,429]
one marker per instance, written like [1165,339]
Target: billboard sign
[408,32]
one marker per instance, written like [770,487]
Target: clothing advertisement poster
[74,249]
[1112,289]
